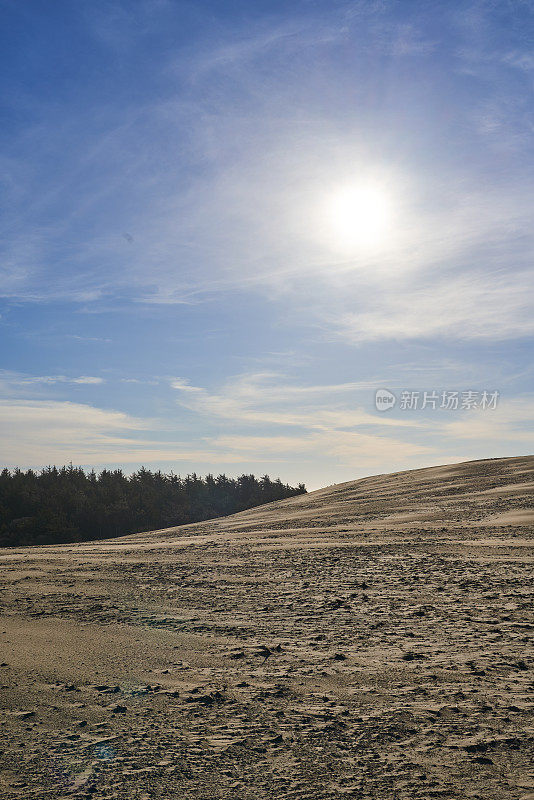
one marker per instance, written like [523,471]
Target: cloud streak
[259,420]
[15,379]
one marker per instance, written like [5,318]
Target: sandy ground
[369,640]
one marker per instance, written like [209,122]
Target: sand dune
[368,640]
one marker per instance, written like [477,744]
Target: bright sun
[359,216]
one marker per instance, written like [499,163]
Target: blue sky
[182,282]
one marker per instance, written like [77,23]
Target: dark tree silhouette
[68,505]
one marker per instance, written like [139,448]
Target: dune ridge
[371,639]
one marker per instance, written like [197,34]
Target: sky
[226,225]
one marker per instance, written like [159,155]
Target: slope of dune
[368,640]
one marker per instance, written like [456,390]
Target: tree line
[69,505]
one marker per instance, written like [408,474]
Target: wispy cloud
[349,449]
[36,433]
[87,338]
[267,398]
[484,306]
[328,423]
[17,379]
[512,424]
[259,420]
[41,432]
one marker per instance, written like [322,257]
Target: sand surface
[368,640]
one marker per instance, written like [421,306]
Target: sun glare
[359,216]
